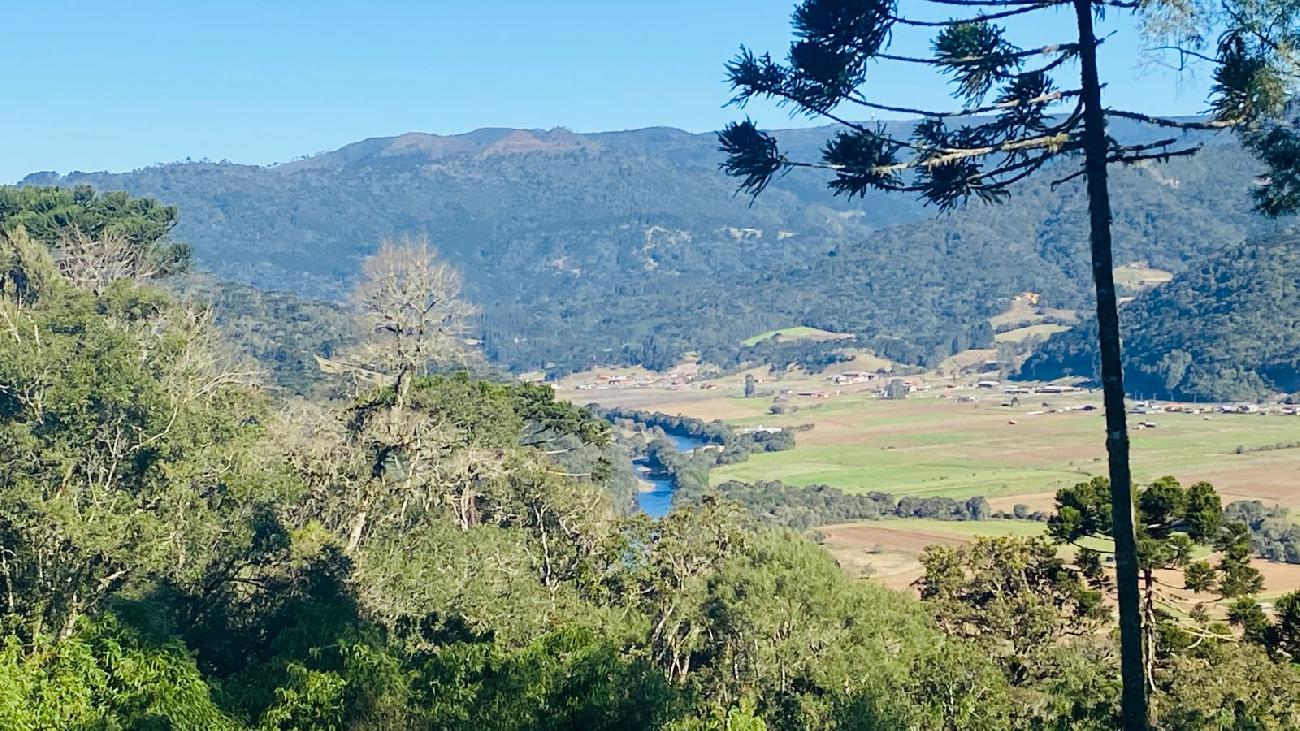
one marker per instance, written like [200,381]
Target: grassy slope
[795,333]
[1024,333]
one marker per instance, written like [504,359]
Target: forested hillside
[631,247]
[183,548]
[1225,329]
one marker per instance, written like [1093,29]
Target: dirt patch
[1269,483]
[1044,501]
[880,552]
[891,556]
[868,535]
[1279,578]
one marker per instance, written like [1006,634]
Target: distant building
[853,377]
[896,389]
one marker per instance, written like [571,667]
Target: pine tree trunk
[1132,666]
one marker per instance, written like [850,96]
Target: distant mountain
[1224,330]
[631,247]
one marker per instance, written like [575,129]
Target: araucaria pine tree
[1018,115]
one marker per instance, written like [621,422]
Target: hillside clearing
[1020,334]
[800,332]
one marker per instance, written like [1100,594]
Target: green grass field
[1042,330]
[931,447]
[1135,275]
[930,444]
[795,333]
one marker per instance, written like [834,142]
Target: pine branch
[946,156]
[1062,48]
[1127,159]
[1186,53]
[1029,168]
[862,101]
[958,21]
[1158,156]
[1212,125]
[1157,145]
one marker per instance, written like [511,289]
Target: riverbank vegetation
[647,435]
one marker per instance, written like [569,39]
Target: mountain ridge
[632,247]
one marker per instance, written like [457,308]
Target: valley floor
[952,438]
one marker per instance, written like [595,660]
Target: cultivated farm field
[954,439]
[889,551]
[932,444]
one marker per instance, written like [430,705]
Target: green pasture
[1043,330]
[794,333]
[927,447]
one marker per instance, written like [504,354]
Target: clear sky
[111,85]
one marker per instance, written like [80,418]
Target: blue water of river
[656,495]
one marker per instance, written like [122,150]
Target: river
[656,495]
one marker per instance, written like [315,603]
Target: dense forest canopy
[1226,329]
[183,548]
[634,241]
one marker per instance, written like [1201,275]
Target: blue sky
[100,85]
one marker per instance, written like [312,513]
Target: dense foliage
[1039,616]
[633,241]
[181,548]
[280,331]
[1221,330]
[1273,534]
[210,562]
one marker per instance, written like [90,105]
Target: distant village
[975,388]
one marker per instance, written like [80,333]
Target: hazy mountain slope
[632,247]
[1226,329]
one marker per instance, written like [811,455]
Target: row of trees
[803,507]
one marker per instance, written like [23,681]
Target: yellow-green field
[1020,334]
[1141,275]
[933,444]
[927,445]
[795,333]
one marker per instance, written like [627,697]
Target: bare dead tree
[410,306]
[94,263]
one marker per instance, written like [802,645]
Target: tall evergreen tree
[1013,121]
